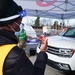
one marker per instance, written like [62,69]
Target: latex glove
[43,41]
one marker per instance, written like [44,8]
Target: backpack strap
[4,50]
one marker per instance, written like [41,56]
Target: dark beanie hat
[9,12]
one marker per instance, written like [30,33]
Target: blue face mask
[21,27]
[17,33]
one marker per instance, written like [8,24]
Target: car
[46,30]
[61,51]
[31,38]
[31,45]
[32,41]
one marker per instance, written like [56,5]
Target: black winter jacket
[16,62]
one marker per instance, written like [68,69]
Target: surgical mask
[21,27]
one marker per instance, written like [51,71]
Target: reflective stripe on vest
[4,50]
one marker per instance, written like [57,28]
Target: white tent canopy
[59,9]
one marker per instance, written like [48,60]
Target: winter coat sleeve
[25,67]
[40,63]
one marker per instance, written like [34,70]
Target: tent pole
[62,15]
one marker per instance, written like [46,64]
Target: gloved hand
[43,41]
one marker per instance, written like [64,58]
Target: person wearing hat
[21,35]
[13,60]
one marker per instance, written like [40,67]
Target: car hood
[61,42]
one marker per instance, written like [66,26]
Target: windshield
[70,32]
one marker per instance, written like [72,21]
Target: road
[49,70]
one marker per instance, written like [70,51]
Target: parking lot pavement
[49,70]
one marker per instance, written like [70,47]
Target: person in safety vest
[22,37]
[13,60]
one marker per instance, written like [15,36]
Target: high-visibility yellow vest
[4,50]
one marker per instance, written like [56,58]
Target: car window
[70,32]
